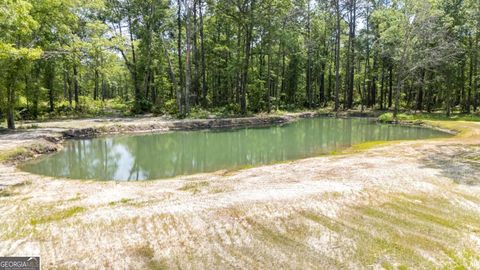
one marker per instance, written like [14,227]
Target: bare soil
[409,204]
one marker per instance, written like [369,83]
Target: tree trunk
[475,72]
[373,89]
[171,74]
[204,76]
[196,62]
[399,82]
[69,87]
[448,98]
[65,83]
[309,60]
[462,95]
[283,80]
[75,86]
[133,69]
[179,55]
[11,85]
[350,66]
[419,106]
[364,95]
[49,84]
[95,90]
[246,65]
[11,104]
[352,48]
[337,55]
[470,78]
[390,86]
[104,88]
[321,87]
[382,88]
[188,65]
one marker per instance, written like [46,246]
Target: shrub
[171,107]
[388,117]
[200,113]
[142,106]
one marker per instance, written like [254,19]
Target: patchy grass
[220,189]
[25,220]
[393,231]
[7,193]
[144,251]
[147,253]
[131,203]
[122,201]
[388,117]
[463,128]
[22,184]
[57,215]
[414,231]
[284,236]
[460,123]
[360,147]
[475,117]
[77,197]
[12,190]
[405,231]
[22,153]
[194,187]
[456,122]
[14,153]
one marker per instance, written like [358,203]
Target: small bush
[171,107]
[388,117]
[142,106]
[230,109]
[199,113]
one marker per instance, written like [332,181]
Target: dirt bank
[413,204]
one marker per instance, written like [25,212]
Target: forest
[63,58]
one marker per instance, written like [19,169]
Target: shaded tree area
[78,57]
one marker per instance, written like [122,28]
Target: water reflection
[166,155]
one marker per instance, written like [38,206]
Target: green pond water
[156,156]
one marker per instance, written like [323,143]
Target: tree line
[172,56]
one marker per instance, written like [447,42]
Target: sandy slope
[411,204]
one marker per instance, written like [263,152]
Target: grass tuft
[122,201]
[13,154]
[147,253]
[57,216]
[194,187]
[6,193]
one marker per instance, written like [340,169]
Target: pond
[157,156]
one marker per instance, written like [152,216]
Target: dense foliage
[61,57]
